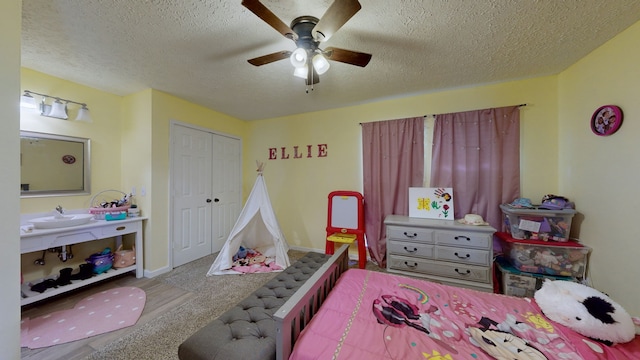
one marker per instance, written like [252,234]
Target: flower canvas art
[431,203]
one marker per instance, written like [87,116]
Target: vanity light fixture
[83,114]
[57,109]
[28,101]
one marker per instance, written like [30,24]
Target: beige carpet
[159,338]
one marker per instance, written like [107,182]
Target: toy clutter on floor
[252,261]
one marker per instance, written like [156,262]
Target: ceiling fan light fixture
[321,64]
[301,72]
[308,59]
[299,57]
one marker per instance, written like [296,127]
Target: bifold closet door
[206,191]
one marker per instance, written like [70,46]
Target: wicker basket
[107,196]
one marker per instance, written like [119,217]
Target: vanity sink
[54,222]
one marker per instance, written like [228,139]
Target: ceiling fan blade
[269,17]
[337,15]
[347,56]
[266,59]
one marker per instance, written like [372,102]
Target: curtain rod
[520,105]
[434,115]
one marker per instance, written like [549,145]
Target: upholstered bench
[247,331]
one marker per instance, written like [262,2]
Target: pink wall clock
[606,120]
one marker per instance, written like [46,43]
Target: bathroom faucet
[59,209]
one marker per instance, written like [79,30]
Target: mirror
[54,165]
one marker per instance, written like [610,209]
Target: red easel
[345,222]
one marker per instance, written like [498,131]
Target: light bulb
[27,101]
[58,110]
[83,114]
[301,72]
[320,64]
[299,57]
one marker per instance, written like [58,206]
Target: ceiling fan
[308,32]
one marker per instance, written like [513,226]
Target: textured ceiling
[197,49]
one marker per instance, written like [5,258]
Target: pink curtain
[477,153]
[393,161]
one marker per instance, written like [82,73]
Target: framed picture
[431,203]
[606,120]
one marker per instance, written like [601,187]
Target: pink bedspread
[372,315]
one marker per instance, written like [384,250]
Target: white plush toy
[585,310]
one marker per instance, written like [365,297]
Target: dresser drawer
[463,256]
[410,248]
[464,239]
[116,229]
[410,233]
[430,267]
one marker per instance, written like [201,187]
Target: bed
[361,314]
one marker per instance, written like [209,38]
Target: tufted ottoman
[247,331]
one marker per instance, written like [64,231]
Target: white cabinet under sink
[42,239]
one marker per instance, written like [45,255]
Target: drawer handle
[411,251]
[120,228]
[409,235]
[411,266]
[462,257]
[462,238]
[463,273]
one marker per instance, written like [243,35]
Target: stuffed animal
[257,260]
[586,311]
[241,253]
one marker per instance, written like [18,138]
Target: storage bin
[115,216]
[101,261]
[546,257]
[538,224]
[517,283]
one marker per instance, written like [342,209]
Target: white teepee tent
[256,228]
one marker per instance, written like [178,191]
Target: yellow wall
[106,164]
[10,25]
[129,148]
[601,173]
[104,132]
[299,187]
[166,108]
[559,154]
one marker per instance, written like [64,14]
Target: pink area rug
[100,313]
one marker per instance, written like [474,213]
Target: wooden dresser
[444,251]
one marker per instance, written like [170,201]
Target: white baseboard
[154,273]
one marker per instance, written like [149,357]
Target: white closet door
[227,194]
[205,191]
